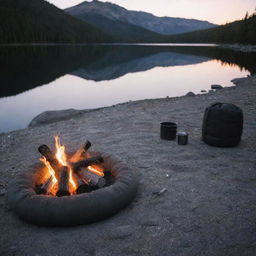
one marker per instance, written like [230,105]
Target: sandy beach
[209,207]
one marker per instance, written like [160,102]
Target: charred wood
[101,182]
[81,151]
[63,186]
[49,156]
[45,188]
[87,162]
[83,185]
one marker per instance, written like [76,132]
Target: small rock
[203,91]
[216,87]
[2,191]
[159,193]
[121,232]
[101,183]
[190,94]
[236,81]
[48,117]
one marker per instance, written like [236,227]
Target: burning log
[63,188]
[50,157]
[87,162]
[81,151]
[93,180]
[45,188]
[82,184]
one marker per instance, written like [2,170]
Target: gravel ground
[209,207]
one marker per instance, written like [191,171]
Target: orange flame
[62,158]
[60,151]
[71,181]
[51,172]
[96,170]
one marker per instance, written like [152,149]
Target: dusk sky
[216,11]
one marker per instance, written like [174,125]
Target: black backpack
[222,125]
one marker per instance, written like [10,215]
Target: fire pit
[71,189]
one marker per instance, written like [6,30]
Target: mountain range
[126,25]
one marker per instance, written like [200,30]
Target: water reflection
[107,75]
[24,68]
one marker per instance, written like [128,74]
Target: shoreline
[54,116]
[239,47]
[235,46]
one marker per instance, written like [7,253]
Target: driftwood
[63,188]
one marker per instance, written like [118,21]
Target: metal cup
[168,131]
[182,138]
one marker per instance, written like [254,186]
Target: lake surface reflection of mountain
[40,78]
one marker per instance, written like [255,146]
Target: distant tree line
[37,21]
[242,32]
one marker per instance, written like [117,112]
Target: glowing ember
[96,170]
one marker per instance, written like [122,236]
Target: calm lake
[38,78]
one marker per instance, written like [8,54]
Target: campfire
[69,174]
[65,189]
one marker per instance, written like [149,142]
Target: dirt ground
[209,207]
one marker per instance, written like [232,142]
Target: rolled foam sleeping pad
[72,210]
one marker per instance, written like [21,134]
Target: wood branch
[63,186]
[80,152]
[50,157]
[45,188]
[87,162]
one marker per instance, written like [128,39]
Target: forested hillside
[242,32]
[37,21]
